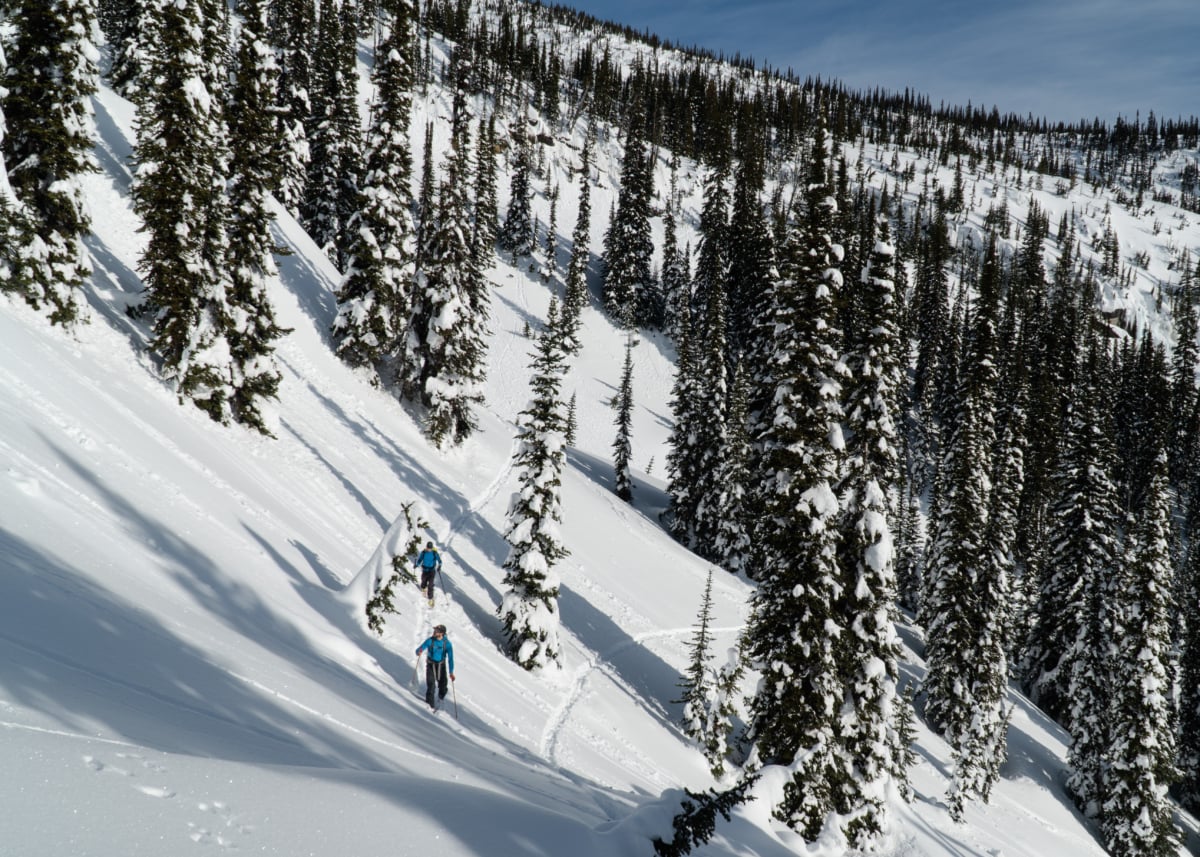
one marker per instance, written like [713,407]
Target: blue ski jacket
[439,650]
[429,559]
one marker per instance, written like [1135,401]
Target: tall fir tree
[14,230]
[751,255]
[868,655]
[48,83]
[1189,679]
[448,331]
[628,246]
[486,223]
[623,444]
[966,595]
[576,287]
[797,707]
[177,187]
[1137,815]
[293,32]
[517,235]
[529,609]
[732,547]
[253,330]
[706,717]
[375,301]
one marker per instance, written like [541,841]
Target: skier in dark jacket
[430,563]
[438,664]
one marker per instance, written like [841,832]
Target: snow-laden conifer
[448,331]
[575,286]
[1137,814]
[707,713]
[178,191]
[376,297]
[252,327]
[623,443]
[293,31]
[529,609]
[517,234]
[796,626]
[869,730]
[48,83]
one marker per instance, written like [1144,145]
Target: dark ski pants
[427,582]
[435,674]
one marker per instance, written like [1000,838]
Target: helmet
[429,544]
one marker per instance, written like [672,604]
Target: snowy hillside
[184,658]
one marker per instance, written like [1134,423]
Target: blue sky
[1062,59]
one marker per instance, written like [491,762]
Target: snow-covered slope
[184,661]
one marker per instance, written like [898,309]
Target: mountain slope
[184,658]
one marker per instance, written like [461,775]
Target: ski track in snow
[548,747]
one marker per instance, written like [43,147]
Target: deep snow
[183,651]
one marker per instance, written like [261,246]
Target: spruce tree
[1189,679]
[751,256]
[683,456]
[967,594]
[529,609]
[253,330]
[709,434]
[731,546]
[622,445]
[1071,642]
[576,287]
[14,230]
[628,246]
[868,654]
[797,708]
[1137,815]
[376,297]
[486,224]
[517,234]
[176,192]
[706,714]
[448,331]
[293,34]
[47,87]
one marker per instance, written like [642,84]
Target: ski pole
[454,698]
[443,582]
[416,668]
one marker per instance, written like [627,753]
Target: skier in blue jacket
[438,663]
[430,562]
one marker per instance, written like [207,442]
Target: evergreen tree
[47,86]
[622,446]
[868,654]
[14,230]
[676,289]
[706,715]
[1137,815]
[797,708]
[709,435]
[576,282]
[683,457]
[375,301]
[517,234]
[712,262]
[426,208]
[731,542]
[967,598]
[486,223]
[628,247]
[177,193]
[529,609]
[253,329]
[127,27]
[331,191]
[294,32]
[1070,651]
[1189,679]
[449,325]
[751,256]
